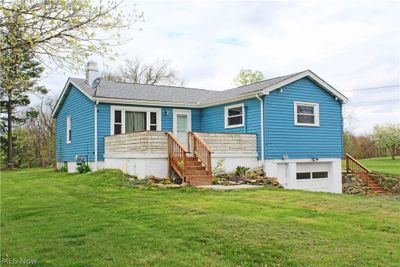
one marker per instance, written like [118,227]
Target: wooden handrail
[354,166]
[177,157]
[202,151]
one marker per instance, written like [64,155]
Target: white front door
[182,124]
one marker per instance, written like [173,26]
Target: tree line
[384,141]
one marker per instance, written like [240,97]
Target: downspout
[95,133]
[262,126]
[95,120]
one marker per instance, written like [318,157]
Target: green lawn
[97,220]
[384,165]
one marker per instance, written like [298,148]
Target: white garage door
[313,176]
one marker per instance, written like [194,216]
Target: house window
[153,121]
[306,114]
[135,119]
[319,175]
[311,175]
[69,130]
[117,121]
[303,175]
[234,116]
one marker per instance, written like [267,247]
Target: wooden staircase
[355,167]
[195,169]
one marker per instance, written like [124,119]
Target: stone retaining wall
[146,142]
[229,143]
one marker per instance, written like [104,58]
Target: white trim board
[312,76]
[63,93]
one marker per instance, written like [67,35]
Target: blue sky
[351,45]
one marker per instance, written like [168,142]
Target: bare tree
[136,71]
[41,127]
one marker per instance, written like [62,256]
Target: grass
[383,165]
[95,219]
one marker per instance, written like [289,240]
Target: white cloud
[349,44]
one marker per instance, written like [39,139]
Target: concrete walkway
[229,187]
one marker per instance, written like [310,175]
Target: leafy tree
[18,77]
[34,140]
[388,136]
[52,31]
[67,31]
[136,71]
[247,76]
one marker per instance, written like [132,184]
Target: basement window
[234,116]
[311,175]
[306,114]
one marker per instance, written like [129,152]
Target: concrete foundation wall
[285,171]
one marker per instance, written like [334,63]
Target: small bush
[219,169]
[84,168]
[64,168]
[241,171]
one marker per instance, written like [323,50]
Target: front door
[182,124]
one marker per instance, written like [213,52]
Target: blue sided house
[291,126]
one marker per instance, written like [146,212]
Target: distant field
[383,165]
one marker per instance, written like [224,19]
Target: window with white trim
[306,114]
[311,175]
[153,121]
[234,116]
[135,119]
[117,121]
[69,130]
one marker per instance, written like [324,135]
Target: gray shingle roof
[174,94]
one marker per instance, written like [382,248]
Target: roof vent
[92,72]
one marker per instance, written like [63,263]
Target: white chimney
[92,72]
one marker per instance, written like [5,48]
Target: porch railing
[201,151]
[354,166]
[177,156]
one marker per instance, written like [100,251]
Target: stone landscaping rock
[255,177]
[354,185]
[396,188]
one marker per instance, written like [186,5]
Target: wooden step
[195,167]
[193,163]
[195,179]
[195,172]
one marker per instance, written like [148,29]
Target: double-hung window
[234,116]
[134,119]
[306,114]
[69,129]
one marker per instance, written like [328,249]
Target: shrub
[84,168]
[64,168]
[219,169]
[241,171]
